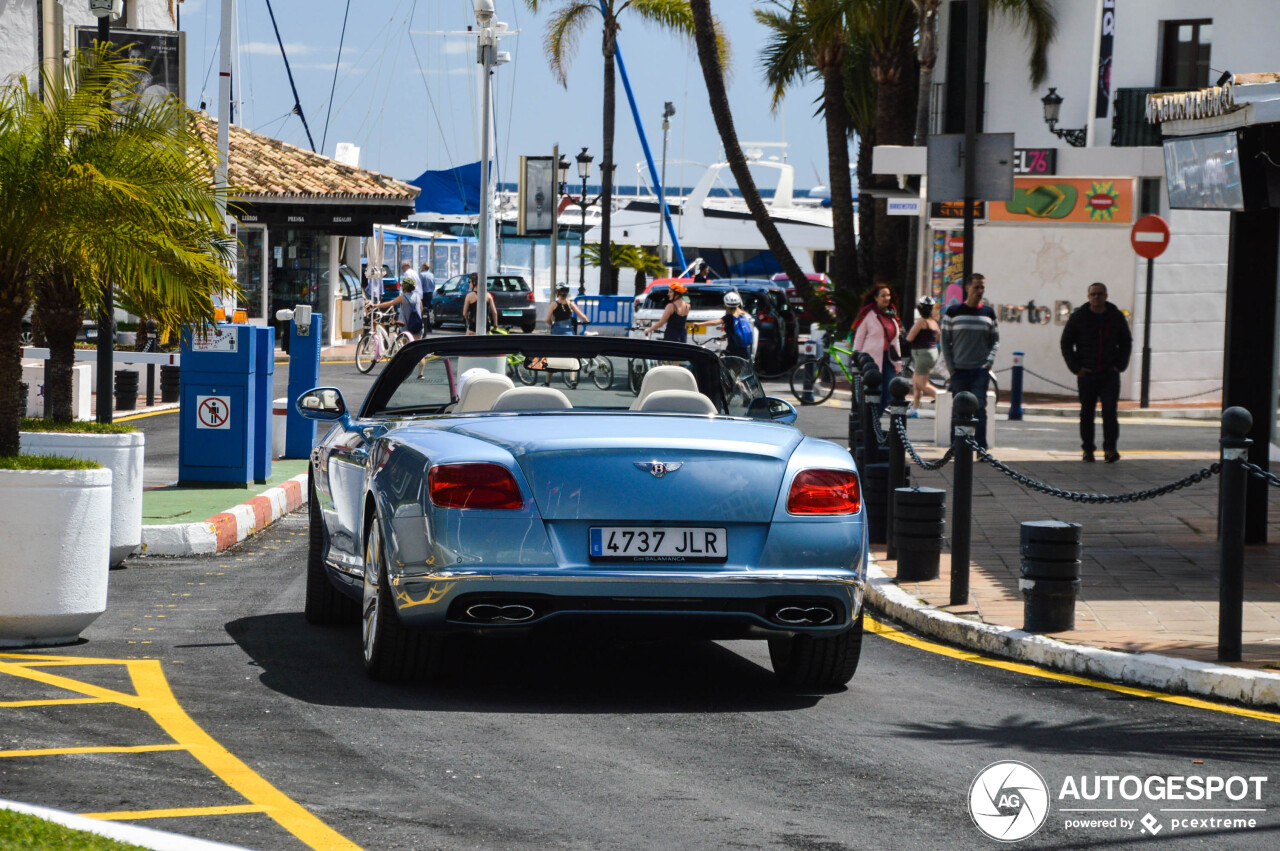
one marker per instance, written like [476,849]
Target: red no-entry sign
[1149,237]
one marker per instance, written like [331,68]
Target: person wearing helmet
[562,313]
[736,324]
[923,338]
[674,317]
[410,304]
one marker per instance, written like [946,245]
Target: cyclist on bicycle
[736,324]
[923,338]
[410,304]
[674,317]
[562,313]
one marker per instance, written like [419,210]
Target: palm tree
[642,260]
[811,38]
[89,195]
[563,30]
[712,56]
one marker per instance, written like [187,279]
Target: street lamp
[1052,109]
[584,172]
[488,57]
[667,111]
[562,171]
[103,10]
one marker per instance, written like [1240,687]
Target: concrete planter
[122,454]
[53,576]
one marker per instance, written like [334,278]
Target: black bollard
[870,410]
[1236,423]
[151,382]
[126,389]
[170,383]
[855,406]
[898,390]
[963,423]
[1050,580]
[919,521]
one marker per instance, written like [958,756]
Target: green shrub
[46,462]
[40,424]
[19,831]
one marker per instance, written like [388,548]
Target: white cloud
[272,49]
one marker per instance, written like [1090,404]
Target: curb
[227,528]
[1148,670]
[145,837]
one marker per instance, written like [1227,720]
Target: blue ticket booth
[219,402]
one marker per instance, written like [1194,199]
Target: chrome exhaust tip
[501,612]
[804,616]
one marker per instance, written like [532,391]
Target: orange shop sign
[1091,200]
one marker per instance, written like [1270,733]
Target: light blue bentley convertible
[503,484]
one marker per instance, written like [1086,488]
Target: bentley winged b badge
[658,469]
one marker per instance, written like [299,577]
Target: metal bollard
[1236,423]
[1050,580]
[898,390]
[806,392]
[1015,388]
[919,520]
[151,382]
[963,425]
[870,411]
[855,402]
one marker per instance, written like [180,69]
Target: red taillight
[824,492]
[764,319]
[473,486]
[529,297]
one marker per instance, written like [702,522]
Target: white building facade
[1069,225]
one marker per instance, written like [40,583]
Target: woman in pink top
[875,332]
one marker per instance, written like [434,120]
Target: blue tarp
[454,191]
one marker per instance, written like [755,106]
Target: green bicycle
[817,372]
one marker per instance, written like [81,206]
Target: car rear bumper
[747,604]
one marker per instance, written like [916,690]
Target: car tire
[325,604]
[803,661]
[392,653]
[529,327]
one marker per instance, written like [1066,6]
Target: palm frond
[563,32]
[1039,22]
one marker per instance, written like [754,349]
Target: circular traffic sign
[1149,237]
[955,244]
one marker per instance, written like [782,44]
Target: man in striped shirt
[970,337]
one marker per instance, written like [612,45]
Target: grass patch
[41,424]
[45,462]
[19,832]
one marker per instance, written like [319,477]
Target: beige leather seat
[664,377]
[532,399]
[677,402]
[479,392]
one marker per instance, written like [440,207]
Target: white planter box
[123,455]
[53,576]
[81,389]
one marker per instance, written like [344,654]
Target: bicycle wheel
[525,375]
[636,369]
[602,375]
[824,382]
[366,352]
[398,343]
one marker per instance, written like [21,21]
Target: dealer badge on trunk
[658,469]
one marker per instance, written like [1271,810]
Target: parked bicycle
[818,374]
[382,337]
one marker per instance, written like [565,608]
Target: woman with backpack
[736,323]
[410,304]
[876,331]
[563,314]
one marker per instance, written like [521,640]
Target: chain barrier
[1075,389]
[1050,380]
[881,440]
[1259,473]
[901,426]
[1095,498]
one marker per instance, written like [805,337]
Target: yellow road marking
[94,749]
[66,701]
[893,633]
[144,415]
[183,812]
[156,698]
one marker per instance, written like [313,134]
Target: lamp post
[1052,103]
[667,111]
[106,343]
[562,174]
[488,57]
[584,172]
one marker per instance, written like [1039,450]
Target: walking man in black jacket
[1096,345]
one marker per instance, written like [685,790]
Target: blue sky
[408,96]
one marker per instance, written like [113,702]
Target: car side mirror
[322,403]
[773,409]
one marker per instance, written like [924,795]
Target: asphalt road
[577,743]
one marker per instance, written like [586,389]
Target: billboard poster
[1060,200]
[159,51]
[947,278]
[1106,45]
[537,196]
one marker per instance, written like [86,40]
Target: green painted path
[174,504]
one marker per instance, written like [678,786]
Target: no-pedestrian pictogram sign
[213,412]
[1149,237]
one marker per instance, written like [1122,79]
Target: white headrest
[532,399]
[479,392]
[665,377]
[677,402]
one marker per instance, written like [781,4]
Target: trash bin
[1050,580]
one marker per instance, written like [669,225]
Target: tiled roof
[266,169]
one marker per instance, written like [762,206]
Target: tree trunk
[718,100]
[843,267]
[12,308]
[61,313]
[866,210]
[641,280]
[608,285]
[927,56]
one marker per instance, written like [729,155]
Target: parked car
[88,330]
[776,322]
[822,284]
[511,294]
[487,509]
[706,307]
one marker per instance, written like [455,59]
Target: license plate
[698,329]
[658,543]
[512,312]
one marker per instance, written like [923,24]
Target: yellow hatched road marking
[93,749]
[893,633]
[65,701]
[183,812]
[156,698]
